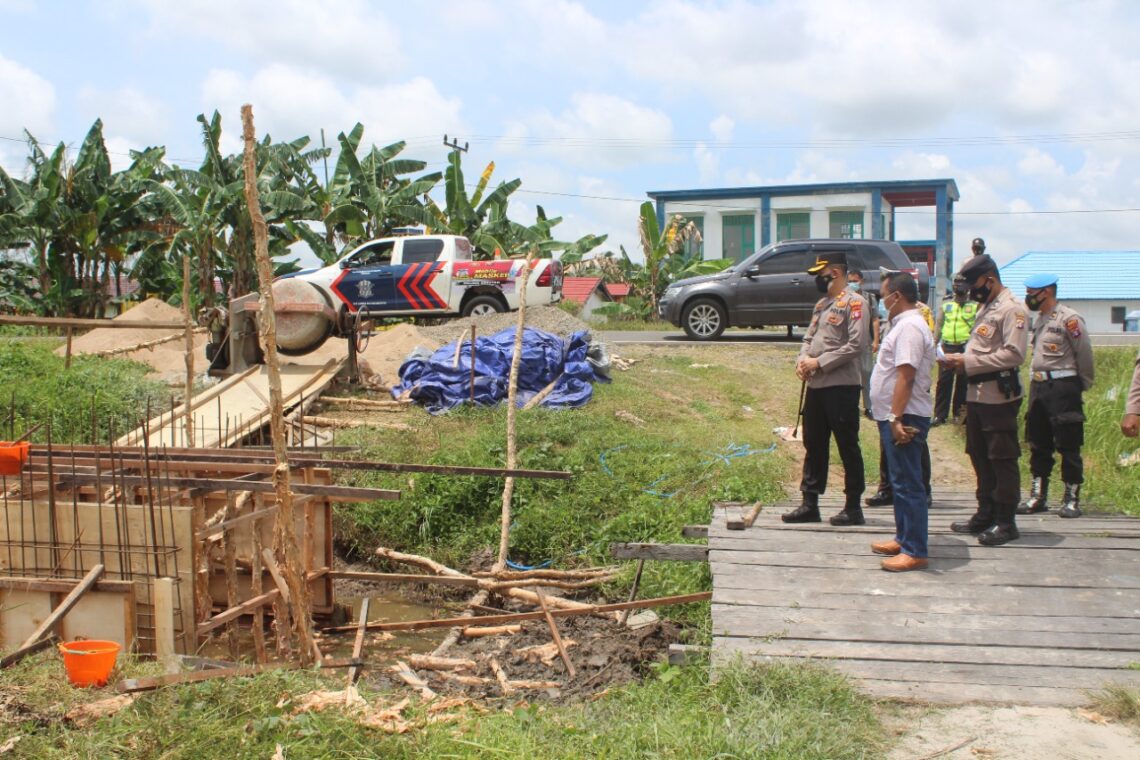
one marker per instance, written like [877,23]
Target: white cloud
[1036,162]
[130,118]
[29,103]
[722,128]
[289,102]
[351,39]
[596,129]
[708,164]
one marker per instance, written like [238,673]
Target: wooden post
[258,629]
[285,535]
[512,392]
[230,554]
[472,364]
[358,645]
[188,416]
[633,590]
[162,593]
[555,635]
[67,356]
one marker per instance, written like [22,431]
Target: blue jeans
[905,462]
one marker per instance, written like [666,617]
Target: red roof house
[590,292]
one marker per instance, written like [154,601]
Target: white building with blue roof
[1104,286]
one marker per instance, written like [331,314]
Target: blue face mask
[853,287]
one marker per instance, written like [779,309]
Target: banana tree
[661,248]
[480,218]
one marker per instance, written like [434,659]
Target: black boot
[1004,529]
[852,514]
[1038,498]
[806,512]
[881,498]
[978,522]
[1071,505]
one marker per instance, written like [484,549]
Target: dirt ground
[1011,733]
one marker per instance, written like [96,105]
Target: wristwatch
[892,417]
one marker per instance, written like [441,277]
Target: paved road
[759,337]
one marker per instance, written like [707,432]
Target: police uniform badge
[983,331]
[1020,322]
[1074,327]
[856,309]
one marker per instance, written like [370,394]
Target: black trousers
[991,442]
[885,470]
[1055,422]
[951,385]
[828,412]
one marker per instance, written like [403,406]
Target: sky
[1033,108]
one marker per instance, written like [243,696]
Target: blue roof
[1084,275]
[896,186]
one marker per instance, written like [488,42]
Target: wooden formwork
[153,521]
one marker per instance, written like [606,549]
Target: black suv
[771,287]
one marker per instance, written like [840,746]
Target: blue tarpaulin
[439,384]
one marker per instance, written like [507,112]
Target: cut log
[745,520]
[408,676]
[477,631]
[501,677]
[539,397]
[428,662]
[556,636]
[516,684]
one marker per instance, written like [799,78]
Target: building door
[793,225]
[739,236]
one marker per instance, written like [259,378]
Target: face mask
[887,307]
[1032,302]
[822,283]
[853,287]
[980,294]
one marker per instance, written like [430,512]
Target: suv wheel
[704,319]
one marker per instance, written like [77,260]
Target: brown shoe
[902,563]
[889,548]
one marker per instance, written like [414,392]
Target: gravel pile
[550,319]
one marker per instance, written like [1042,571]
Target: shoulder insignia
[1020,322]
[841,302]
[983,330]
[856,309]
[1074,327]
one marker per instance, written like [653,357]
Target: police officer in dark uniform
[829,364]
[993,356]
[1062,370]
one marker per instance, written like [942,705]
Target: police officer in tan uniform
[993,355]
[1130,422]
[829,364]
[1062,370]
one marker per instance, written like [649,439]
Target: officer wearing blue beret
[1061,371]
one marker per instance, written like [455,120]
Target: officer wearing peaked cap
[994,352]
[828,364]
[1061,371]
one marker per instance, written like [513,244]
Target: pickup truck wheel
[480,305]
[704,319]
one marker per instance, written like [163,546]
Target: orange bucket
[13,456]
[89,662]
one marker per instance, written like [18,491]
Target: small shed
[1103,286]
[619,290]
[590,292]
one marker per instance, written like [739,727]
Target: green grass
[772,711]
[1120,703]
[631,483]
[1109,486]
[35,386]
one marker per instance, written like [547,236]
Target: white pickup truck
[421,275]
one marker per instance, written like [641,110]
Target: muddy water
[387,608]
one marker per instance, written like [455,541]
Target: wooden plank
[1015,602]
[941,545]
[872,576]
[275,572]
[77,323]
[18,655]
[695,531]
[358,644]
[61,586]
[461,622]
[62,609]
[445,580]
[665,552]
[336,493]
[226,524]
[950,673]
[1079,632]
[162,597]
[233,613]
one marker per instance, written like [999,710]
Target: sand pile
[385,352]
[551,319]
[167,359]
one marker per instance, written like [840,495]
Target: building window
[847,225]
[793,226]
[694,248]
[739,236]
[1118,313]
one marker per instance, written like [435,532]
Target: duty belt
[1040,376]
[987,376]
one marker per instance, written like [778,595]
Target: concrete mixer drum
[305,316]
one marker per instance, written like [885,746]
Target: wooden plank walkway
[1042,620]
[235,407]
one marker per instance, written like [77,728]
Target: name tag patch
[834,319]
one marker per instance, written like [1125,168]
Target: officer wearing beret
[1062,369]
[993,355]
[829,365]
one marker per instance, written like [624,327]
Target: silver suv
[772,288]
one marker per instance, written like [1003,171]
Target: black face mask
[822,283]
[981,294]
[1032,302]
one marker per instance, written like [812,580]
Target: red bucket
[13,456]
[89,662]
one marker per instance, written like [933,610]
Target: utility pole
[454,144]
[324,151]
